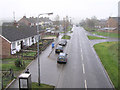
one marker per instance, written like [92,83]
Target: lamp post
[38,45]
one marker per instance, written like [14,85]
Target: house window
[13,45]
[18,43]
[32,39]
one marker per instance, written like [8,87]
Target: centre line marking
[82,57]
[81,50]
[85,84]
[83,68]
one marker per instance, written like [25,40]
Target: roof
[13,33]
[24,75]
[116,18]
[8,24]
[34,20]
[62,54]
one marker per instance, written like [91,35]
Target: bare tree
[57,19]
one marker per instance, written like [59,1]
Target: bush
[18,63]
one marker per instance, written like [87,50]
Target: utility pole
[38,56]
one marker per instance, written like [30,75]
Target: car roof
[59,46]
[62,54]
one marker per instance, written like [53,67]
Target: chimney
[24,16]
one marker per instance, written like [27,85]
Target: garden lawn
[50,36]
[94,37]
[108,54]
[9,64]
[29,54]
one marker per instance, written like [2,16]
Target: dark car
[59,49]
[62,58]
[63,42]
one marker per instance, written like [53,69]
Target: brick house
[24,21]
[33,21]
[14,38]
[113,22]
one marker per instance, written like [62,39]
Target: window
[13,45]
[18,43]
[32,39]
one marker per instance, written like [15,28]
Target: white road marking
[83,68]
[81,50]
[82,57]
[86,84]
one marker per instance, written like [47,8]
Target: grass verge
[108,34]
[66,37]
[108,54]
[44,86]
[94,37]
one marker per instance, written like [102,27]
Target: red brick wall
[112,23]
[5,47]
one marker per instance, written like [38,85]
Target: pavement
[83,69]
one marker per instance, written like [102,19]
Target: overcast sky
[76,9]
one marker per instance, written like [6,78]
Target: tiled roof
[13,33]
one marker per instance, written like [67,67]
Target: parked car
[63,42]
[59,49]
[48,31]
[62,58]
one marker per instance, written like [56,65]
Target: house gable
[5,48]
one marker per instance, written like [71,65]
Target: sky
[76,9]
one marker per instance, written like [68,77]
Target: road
[84,69]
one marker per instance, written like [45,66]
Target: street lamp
[38,45]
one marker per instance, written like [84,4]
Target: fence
[7,76]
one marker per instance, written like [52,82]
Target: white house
[14,38]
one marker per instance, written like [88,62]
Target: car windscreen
[61,57]
[59,48]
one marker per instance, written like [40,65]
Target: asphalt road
[84,69]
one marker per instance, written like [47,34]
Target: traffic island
[66,37]
[94,37]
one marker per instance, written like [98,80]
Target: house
[113,22]
[33,21]
[26,22]
[13,39]
[102,23]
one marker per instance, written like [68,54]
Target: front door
[21,44]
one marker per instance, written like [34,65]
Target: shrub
[18,63]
